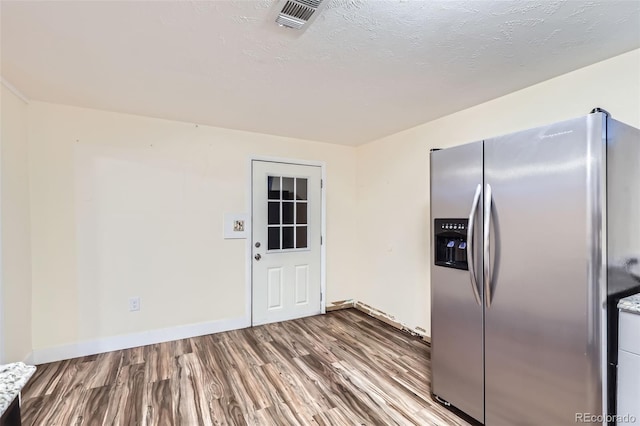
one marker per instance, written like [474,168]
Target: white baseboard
[126,341]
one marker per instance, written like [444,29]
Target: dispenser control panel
[455,226]
[450,239]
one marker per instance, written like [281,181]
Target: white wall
[126,206]
[393,175]
[15,230]
[123,206]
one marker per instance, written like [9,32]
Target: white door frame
[249,229]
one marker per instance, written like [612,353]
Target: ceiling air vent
[296,13]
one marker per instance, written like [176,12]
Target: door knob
[257,256]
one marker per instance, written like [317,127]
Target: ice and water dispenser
[451,243]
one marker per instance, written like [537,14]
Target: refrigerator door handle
[487,246]
[470,250]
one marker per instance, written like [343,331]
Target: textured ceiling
[360,71]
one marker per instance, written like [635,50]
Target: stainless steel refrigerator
[533,236]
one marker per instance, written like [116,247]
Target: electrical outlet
[134,304]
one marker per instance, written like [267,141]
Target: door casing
[249,230]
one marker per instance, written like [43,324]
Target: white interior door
[286,241]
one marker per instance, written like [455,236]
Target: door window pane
[273,238]
[301,189]
[287,213]
[273,187]
[301,213]
[287,237]
[274,213]
[301,237]
[287,188]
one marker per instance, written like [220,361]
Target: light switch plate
[235,225]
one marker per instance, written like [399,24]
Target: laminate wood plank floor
[342,368]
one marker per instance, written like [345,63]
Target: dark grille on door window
[287,209]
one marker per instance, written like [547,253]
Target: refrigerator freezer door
[623,230]
[541,336]
[456,311]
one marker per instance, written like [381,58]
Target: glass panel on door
[287,213]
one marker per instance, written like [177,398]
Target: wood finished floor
[337,369]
